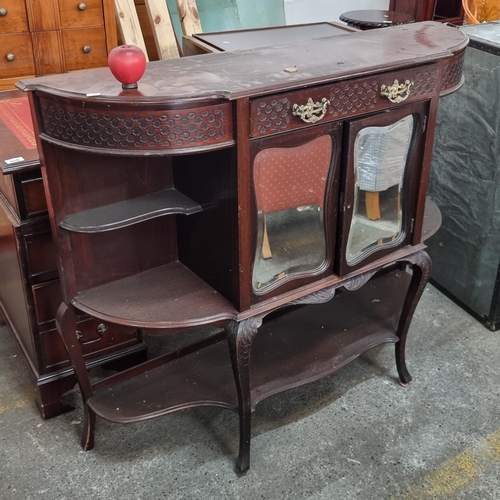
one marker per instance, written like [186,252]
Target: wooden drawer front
[94,341]
[19,48]
[34,197]
[13,18]
[77,14]
[274,113]
[47,297]
[144,129]
[41,251]
[84,48]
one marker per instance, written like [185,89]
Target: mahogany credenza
[30,292]
[53,36]
[278,191]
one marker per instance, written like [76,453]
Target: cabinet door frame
[289,140]
[420,111]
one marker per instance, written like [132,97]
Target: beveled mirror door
[380,160]
[290,190]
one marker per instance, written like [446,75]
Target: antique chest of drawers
[53,36]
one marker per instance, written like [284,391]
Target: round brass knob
[82,6]
[3,11]
[86,49]
[10,57]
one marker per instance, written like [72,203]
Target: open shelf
[295,347]
[128,212]
[168,296]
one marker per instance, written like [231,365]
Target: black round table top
[367,19]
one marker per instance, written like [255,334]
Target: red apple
[127,63]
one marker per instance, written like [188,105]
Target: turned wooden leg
[66,323]
[266,248]
[240,337]
[421,266]
[372,202]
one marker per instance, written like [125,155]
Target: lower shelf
[293,347]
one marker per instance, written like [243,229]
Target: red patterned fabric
[292,177]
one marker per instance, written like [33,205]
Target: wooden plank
[189,17]
[126,17]
[163,30]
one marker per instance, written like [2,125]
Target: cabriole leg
[421,266]
[240,337]
[66,323]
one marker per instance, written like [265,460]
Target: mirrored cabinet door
[295,188]
[379,198]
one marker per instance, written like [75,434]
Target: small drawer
[13,17]
[16,56]
[274,113]
[41,252]
[95,339]
[33,202]
[47,298]
[77,14]
[84,48]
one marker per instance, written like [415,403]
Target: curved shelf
[168,296]
[128,212]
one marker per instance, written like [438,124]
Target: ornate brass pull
[312,111]
[397,92]
[101,328]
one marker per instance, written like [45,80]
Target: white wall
[310,11]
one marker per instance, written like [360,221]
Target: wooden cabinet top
[265,70]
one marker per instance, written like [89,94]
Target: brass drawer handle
[86,49]
[82,6]
[3,11]
[101,328]
[397,92]
[10,57]
[312,111]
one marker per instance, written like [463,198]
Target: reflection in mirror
[380,158]
[290,186]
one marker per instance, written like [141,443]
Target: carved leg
[66,323]
[240,337]
[372,201]
[421,266]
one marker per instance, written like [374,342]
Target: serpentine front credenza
[244,189]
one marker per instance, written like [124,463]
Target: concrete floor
[355,435]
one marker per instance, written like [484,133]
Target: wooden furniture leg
[266,248]
[66,323]
[421,266]
[372,201]
[240,337]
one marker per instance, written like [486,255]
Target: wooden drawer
[84,48]
[274,113]
[32,203]
[96,340]
[13,17]
[19,47]
[47,297]
[77,14]
[41,251]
